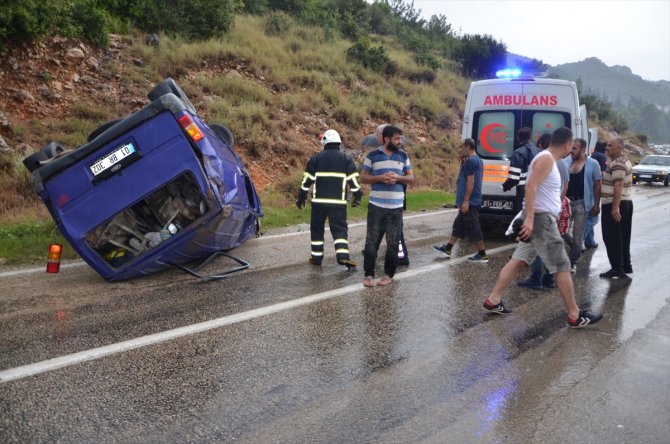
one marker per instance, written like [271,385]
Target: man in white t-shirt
[539,233]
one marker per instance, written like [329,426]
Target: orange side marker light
[53,262]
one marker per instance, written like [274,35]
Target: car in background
[653,168]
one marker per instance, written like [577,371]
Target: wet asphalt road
[415,362]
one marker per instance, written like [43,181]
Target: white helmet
[330,136]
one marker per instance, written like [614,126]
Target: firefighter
[330,171]
[518,166]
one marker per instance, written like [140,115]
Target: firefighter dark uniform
[330,171]
[518,172]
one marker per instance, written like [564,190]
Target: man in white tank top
[539,233]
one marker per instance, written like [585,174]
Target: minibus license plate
[111,159]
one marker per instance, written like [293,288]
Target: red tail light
[190,127]
[53,262]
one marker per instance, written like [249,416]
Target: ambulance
[497,109]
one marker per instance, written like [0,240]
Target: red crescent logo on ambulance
[485,137]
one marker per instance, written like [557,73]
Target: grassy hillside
[276,87]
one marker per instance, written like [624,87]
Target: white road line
[40,269]
[80,263]
[25,371]
[358,224]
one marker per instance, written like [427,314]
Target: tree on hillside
[193,19]
[381,19]
[438,29]
[293,7]
[480,56]
[26,20]
[351,17]
[406,13]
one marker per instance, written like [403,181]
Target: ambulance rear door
[549,105]
[494,121]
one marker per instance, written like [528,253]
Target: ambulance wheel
[102,128]
[224,133]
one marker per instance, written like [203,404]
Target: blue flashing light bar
[509,73]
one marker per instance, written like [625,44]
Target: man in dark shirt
[469,201]
[599,155]
[584,195]
[592,220]
[330,171]
[518,166]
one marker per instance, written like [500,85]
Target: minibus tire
[224,133]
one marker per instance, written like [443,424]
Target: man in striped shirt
[387,168]
[617,210]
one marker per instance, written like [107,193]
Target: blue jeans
[539,275]
[589,234]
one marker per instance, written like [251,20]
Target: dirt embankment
[60,77]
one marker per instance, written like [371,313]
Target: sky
[618,32]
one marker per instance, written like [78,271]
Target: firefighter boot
[347,263]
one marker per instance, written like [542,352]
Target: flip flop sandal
[384,281]
[369,282]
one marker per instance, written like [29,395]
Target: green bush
[277,23]
[255,6]
[351,27]
[89,20]
[373,58]
[191,19]
[424,58]
[25,20]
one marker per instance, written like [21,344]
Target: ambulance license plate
[498,204]
[110,160]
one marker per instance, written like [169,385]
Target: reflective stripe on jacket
[518,165]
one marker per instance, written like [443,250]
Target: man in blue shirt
[387,168]
[469,201]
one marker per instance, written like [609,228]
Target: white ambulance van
[497,109]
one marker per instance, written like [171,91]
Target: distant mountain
[616,83]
